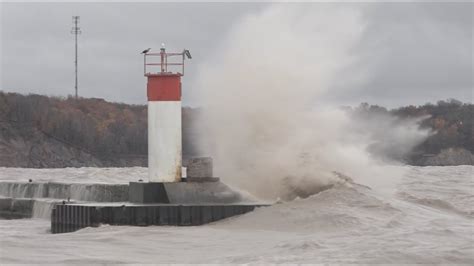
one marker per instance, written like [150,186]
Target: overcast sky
[417,52]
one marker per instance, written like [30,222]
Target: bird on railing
[146,51]
[187,53]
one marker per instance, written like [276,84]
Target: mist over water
[264,122]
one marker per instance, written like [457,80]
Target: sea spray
[263,120]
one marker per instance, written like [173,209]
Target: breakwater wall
[74,206]
[11,208]
[71,191]
[18,208]
[36,200]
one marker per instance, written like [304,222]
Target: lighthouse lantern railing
[166,62]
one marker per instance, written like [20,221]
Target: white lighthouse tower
[164,115]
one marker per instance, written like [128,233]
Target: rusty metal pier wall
[72,217]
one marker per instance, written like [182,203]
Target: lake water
[429,218]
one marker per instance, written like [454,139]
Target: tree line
[103,128]
[450,120]
[94,125]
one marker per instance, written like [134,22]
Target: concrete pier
[16,208]
[196,200]
[73,191]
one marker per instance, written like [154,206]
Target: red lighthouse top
[164,78]
[165,65]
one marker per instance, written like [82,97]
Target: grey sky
[416,52]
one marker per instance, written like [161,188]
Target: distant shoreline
[48,132]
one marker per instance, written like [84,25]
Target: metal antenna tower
[75,30]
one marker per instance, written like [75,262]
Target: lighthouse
[164,71]
[167,199]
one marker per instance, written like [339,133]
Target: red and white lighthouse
[164,114]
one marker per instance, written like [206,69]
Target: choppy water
[428,219]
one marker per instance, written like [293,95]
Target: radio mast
[75,30]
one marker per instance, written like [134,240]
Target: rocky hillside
[48,132]
[23,145]
[40,131]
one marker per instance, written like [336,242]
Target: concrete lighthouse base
[182,193]
[198,187]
